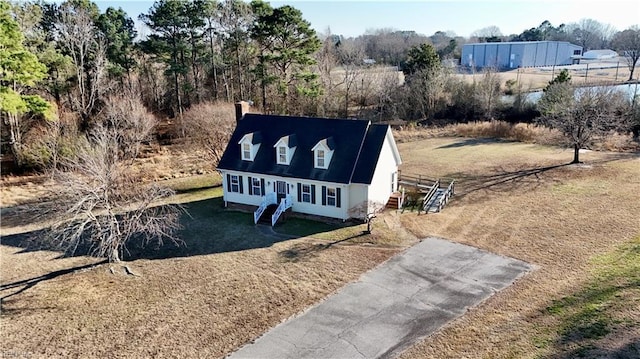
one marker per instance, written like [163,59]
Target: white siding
[351,195]
[357,196]
[302,207]
[245,197]
[317,208]
[380,188]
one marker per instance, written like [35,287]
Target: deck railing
[446,195]
[285,204]
[269,199]
[427,198]
[415,181]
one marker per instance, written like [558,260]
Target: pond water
[533,97]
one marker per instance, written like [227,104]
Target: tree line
[71,61]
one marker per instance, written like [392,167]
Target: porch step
[266,215]
[394,200]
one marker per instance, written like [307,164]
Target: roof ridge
[355,164]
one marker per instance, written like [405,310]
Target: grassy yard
[572,222]
[227,284]
[230,282]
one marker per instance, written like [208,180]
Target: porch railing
[269,199]
[426,201]
[450,191]
[285,204]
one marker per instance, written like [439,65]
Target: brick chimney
[242,107]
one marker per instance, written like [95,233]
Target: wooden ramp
[426,195]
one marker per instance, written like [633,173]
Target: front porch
[270,209]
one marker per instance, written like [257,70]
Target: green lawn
[604,306]
[208,227]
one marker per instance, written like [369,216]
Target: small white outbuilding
[599,54]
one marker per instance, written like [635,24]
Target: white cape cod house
[325,167]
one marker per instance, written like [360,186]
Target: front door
[281,189]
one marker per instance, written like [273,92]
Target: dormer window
[249,145]
[282,155]
[320,158]
[322,153]
[246,151]
[285,147]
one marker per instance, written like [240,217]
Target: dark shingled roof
[357,147]
[369,154]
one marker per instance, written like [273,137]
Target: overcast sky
[353,18]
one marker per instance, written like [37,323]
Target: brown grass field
[578,224]
[536,78]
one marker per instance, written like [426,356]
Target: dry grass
[202,306]
[536,78]
[226,287]
[521,132]
[513,201]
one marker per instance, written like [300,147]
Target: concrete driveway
[392,306]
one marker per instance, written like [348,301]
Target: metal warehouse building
[511,55]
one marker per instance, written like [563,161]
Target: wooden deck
[428,195]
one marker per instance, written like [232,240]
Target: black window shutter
[228,182]
[324,195]
[274,186]
[262,186]
[313,194]
[299,192]
[338,197]
[249,179]
[240,181]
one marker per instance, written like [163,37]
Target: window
[246,151]
[577,52]
[331,197]
[306,193]
[256,186]
[249,146]
[320,158]
[285,149]
[235,184]
[282,155]
[322,153]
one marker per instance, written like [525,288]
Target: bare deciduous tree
[85,44]
[581,113]
[104,205]
[487,34]
[209,126]
[426,95]
[487,92]
[590,34]
[326,62]
[350,57]
[131,118]
[627,42]
[367,211]
[386,105]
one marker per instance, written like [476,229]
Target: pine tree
[287,44]
[20,70]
